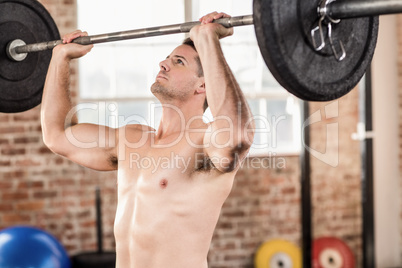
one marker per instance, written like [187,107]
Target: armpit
[203,163]
[113,160]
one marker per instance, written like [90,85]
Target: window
[115,77]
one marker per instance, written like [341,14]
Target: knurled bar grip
[134,34]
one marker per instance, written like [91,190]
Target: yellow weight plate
[278,253]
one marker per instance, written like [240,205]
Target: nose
[163,65]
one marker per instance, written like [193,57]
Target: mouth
[161,77]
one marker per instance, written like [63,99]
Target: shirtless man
[172,182]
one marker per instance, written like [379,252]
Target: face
[178,76]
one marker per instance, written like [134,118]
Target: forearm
[225,98]
[56,102]
[221,89]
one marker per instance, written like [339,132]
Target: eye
[179,61]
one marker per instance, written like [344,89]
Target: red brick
[4,118]
[13,151]
[26,116]
[52,215]
[71,236]
[4,163]
[31,184]
[64,202]
[6,207]
[234,257]
[14,174]
[27,163]
[87,203]
[231,214]
[44,150]
[12,130]
[30,205]
[14,196]
[68,226]
[83,214]
[288,190]
[6,185]
[85,235]
[62,182]
[26,140]
[45,194]
[34,129]
[88,224]
[225,225]
[45,173]
[224,246]
[15,218]
[59,160]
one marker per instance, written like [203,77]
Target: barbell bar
[335,9]
[131,34]
[343,9]
[283,29]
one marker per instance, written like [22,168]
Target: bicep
[89,145]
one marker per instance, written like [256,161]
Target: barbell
[318,50]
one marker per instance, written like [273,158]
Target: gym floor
[41,189]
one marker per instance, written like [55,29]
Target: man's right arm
[89,145]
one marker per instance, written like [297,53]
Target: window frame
[268,95]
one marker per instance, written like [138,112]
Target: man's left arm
[229,137]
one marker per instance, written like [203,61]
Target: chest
[160,166]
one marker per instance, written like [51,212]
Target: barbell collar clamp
[11,50]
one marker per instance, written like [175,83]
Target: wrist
[203,33]
[60,54]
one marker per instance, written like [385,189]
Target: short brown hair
[190,43]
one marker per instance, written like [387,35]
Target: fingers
[68,38]
[213,16]
[72,51]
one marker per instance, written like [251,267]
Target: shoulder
[134,133]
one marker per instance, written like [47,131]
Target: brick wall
[264,204]
[41,189]
[336,187]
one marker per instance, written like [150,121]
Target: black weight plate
[21,83]
[94,260]
[283,32]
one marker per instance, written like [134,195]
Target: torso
[169,201]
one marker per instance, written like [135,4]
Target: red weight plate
[331,252]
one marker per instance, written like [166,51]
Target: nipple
[163,183]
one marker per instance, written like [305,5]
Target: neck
[178,118]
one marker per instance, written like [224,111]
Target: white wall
[386,145]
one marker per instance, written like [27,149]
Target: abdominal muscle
[164,221]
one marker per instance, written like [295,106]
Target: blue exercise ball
[28,247]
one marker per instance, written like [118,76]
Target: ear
[201,88]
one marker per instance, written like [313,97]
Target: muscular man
[172,182]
